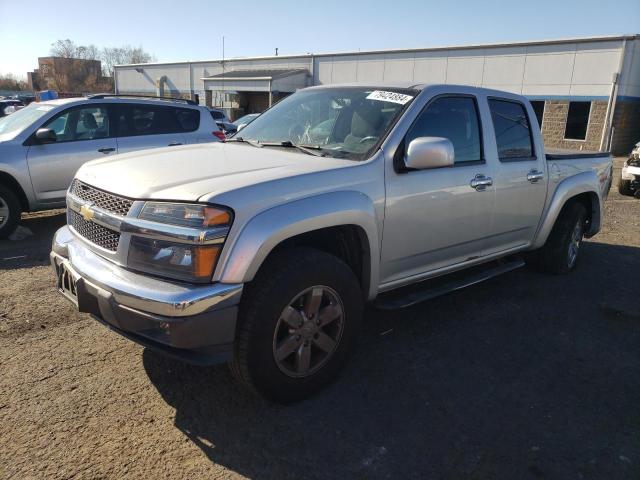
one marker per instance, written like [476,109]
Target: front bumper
[195,323]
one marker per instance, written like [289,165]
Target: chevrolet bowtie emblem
[86,212]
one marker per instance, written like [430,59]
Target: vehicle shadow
[31,243]
[524,376]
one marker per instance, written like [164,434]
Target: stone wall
[626,122]
[554,123]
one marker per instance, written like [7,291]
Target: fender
[585,182]
[22,181]
[265,231]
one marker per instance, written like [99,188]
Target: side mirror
[46,135]
[429,152]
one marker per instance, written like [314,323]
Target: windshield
[246,119]
[21,119]
[346,122]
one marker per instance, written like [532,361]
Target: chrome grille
[107,201]
[101,236]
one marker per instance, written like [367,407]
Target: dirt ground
[524,376]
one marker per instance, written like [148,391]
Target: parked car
[629,182]
[25,98]
[9,106]
[222,121]
[245,120]
[42,145]
[262,250]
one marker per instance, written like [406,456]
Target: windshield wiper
[253,143]
[315,150]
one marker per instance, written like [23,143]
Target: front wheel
[9,211]
[624,187]
[298,321]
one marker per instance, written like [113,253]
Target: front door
[434,218]
[82,134]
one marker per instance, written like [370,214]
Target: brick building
[65,74]
[585,91]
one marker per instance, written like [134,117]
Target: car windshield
[21,119]
[247,119]
[341,122]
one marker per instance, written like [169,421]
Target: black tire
[554,257]
[8,199]
[284,276]
[624,187]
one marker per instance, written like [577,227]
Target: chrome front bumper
[193,322]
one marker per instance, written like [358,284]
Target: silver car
[43,145]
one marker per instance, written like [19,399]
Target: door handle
[106,150]
[534,175]
[480,182]
[173,144]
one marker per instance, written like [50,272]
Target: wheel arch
[341,223]
[9,181]
[582,188]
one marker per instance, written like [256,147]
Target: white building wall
[547,70]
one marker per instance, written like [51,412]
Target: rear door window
[136,120]
[512,130]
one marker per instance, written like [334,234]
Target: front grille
[107,201]
[101,236]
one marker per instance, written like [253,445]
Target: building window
[538,109]
[577,121]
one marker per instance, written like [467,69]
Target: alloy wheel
[308,331]
[574,244]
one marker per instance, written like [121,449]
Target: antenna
[222,72]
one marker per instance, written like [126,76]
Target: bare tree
[112,56]
[73,75]
[63,48]
[11,82]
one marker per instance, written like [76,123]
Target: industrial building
[585,91]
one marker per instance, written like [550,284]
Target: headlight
[182,261]
[192,261]
[185,215]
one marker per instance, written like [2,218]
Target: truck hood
[189,172]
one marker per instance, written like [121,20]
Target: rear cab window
[512,128]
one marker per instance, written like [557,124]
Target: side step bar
[428,289]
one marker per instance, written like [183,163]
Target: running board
[420,292]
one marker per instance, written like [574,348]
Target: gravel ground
[524,376]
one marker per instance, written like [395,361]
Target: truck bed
[563,154]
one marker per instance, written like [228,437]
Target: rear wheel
[9,211]
[560,252]
[297,325]
[624,187]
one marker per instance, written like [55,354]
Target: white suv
[43,145]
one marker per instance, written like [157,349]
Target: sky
[193,29]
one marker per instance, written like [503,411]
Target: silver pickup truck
[263,250]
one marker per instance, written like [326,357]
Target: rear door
[520,176]
[141,126]
[83,133]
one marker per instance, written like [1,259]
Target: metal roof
[260,74]
[602,38]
